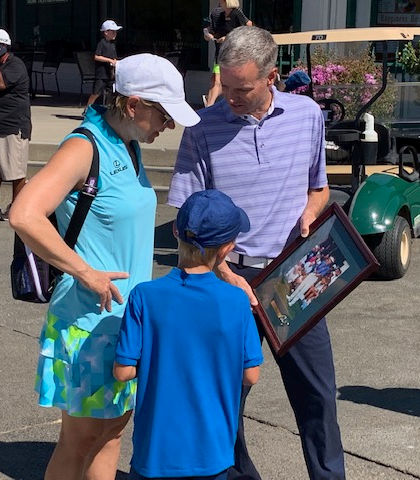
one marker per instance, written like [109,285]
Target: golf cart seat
[342,195]
[343,153]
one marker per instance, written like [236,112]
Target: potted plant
[409,58]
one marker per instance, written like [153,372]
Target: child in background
[191,340]
[105,59]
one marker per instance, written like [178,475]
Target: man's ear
[272,76]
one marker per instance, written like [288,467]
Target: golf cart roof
[347,35]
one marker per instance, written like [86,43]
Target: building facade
[162,26]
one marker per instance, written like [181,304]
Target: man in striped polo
[265,149]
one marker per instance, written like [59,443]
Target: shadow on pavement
[70,117]
[164,237]
[25,460]
[28,460]
[401,400]
[51,99]
[168,259]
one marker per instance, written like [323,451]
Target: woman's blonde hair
[232,3]
[191,255]
[118,105]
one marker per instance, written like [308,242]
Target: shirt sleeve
[253,355]
[241,19]
[317,170]
[129,345]
[191,172]
[100,48]
[13,73]
[212,27]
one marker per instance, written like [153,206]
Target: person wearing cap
[265,149]
[105,60]
[15,118]
[191,353]
[113,253]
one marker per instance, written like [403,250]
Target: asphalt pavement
[375,334]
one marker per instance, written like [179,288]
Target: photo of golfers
[302,280]
[314,273]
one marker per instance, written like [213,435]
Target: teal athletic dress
[78,341]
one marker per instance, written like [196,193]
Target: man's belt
[245,261]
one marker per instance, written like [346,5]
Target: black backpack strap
[86,194]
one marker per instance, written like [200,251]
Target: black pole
[382,89]
[309,66]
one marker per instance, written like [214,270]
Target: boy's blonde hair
[232,3]
[192,255]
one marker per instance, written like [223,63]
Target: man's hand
[226,274]
[317,200]
[305,221]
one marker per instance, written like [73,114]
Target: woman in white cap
[113,253]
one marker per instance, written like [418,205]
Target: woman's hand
[226,274]
[220,40]
[101,283]
[207,35]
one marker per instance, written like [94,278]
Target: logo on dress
[118,167]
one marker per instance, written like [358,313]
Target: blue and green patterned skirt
[75,372]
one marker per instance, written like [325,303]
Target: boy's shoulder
[215,286]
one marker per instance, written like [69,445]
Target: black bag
[33,279]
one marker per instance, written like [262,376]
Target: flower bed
[351,80]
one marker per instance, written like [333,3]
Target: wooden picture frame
[309,278]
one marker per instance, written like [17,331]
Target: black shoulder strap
[86,194]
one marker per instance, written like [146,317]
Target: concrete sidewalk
[375,336]
[51,123]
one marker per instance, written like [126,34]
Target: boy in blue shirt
[191,340]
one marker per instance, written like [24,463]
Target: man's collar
[276,102]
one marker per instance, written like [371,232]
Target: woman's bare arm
[66,171]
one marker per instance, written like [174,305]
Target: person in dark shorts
[15,119]
[105,59]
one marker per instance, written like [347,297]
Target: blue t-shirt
[117,235]
[191,336]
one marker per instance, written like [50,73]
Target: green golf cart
[372,175]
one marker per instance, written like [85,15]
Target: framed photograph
[310,277]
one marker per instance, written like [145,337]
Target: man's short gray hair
[249,44]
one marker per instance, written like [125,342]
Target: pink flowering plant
[352,80]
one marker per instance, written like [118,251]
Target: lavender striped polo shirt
[265,168]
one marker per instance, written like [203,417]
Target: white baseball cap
[110,25]
[155,79]
[4,37]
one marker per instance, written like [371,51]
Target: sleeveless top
[117,235]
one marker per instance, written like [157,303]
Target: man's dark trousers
[307,371]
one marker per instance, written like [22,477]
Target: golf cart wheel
[392,249]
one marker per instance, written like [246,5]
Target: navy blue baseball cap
[297,79]
[209,219]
